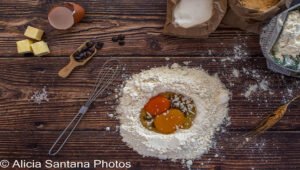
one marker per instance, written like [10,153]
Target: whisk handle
[61,140]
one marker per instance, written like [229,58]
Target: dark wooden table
[27,129]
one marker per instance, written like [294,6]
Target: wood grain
[25,76]
[27,129]
[268,151]
[140,21]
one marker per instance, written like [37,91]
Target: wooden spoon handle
[66,71]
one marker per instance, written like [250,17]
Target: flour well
[211,100]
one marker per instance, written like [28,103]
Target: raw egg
[157,105]
[169,121]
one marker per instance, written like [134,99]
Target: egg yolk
[157,105]
[169,122]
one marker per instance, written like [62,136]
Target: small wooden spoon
[66,71]
[267,123]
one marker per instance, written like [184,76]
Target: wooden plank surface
[28,129]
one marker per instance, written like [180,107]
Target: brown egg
[79,11]
[65,16]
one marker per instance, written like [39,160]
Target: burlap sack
[199,31]
[249,19]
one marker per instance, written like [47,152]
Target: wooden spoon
[266,123]
[66,71]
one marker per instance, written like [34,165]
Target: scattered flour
[110,115]
[40,96]
[211,100]
[189,163]
[290,92]
[251,89]
[239,52]
[236,73]
[187,62]
[263,85]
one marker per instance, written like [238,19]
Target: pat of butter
[40,48]
[34,33]
[24,46]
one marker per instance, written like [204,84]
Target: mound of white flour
[208,93]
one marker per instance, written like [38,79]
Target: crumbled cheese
[289,39]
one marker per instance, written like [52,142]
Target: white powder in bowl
[211,100]
[189,13]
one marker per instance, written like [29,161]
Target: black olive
[76,53]
[77,57]
[90,44]
[121,42]
[82,55]
[99,45]
[115,38]
[88,54]
[92,50]
[121,37]
[85,53]
[84,48]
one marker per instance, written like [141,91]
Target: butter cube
[34,33]
[24,46]
[40,48]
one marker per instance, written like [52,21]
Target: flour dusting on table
[211,100]
[40,96]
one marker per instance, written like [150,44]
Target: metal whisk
[110,70]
